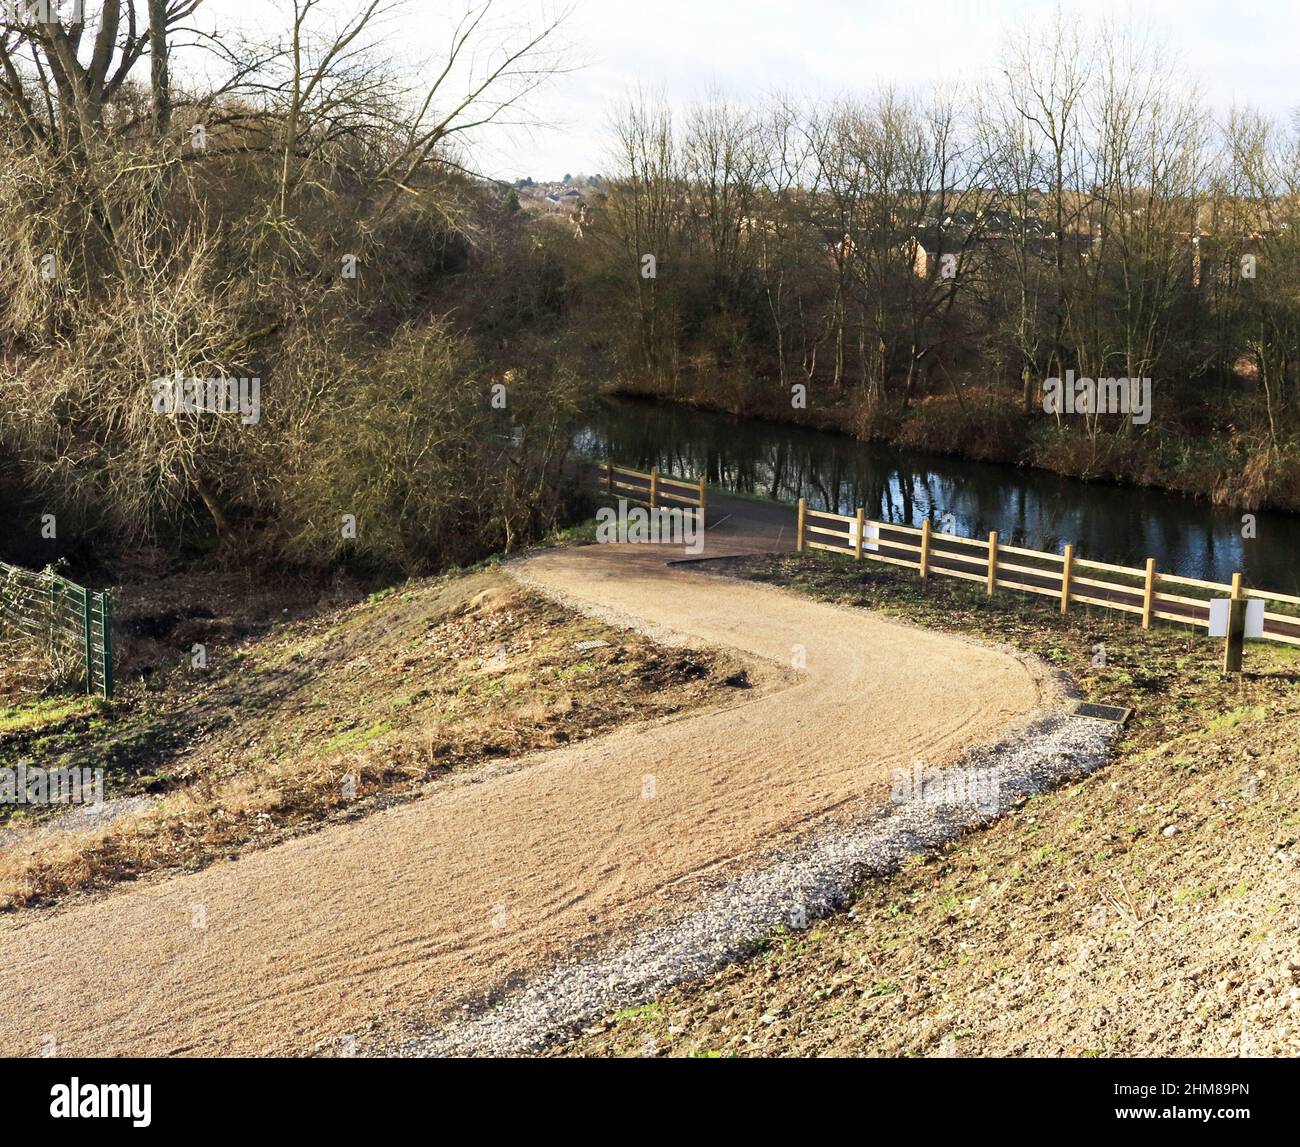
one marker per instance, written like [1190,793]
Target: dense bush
[323,242]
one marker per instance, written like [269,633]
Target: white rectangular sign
[1219,617]
[870,536]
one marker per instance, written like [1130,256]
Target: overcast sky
[1236,50]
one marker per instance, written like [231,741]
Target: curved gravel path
[451,901]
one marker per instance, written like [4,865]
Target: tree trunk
[160,90]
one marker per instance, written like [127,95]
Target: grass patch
[46,712]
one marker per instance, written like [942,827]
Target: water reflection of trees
[1027,508]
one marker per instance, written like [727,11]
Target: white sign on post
[1219,617]
[870,535]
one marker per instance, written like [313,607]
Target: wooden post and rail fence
[1143,592]
[1066,577]
[648,487]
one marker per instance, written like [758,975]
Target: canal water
[1029,508]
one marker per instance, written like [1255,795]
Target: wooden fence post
[803,509]
[1235,642]
[704,500]
[857,549]
[993,561]
[925,549]
[654,486]
[1149,593]
[1067,567]
[609,476]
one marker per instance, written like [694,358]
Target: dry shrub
[410,444]
[365,410]
[1269,476]
[870,419]
[942,425]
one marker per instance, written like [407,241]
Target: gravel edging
[813,878]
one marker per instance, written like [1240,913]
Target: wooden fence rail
[648,487]
[1065,577]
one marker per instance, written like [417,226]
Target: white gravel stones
[813,878]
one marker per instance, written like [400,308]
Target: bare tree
[160,230]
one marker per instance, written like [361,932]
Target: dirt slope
[321,719]
[411,911]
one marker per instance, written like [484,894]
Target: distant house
[932,246]
[839,244]
[1214,261]
[927,248]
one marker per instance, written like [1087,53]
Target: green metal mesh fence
[74,625]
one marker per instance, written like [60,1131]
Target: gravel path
[438,907]
[808,877]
